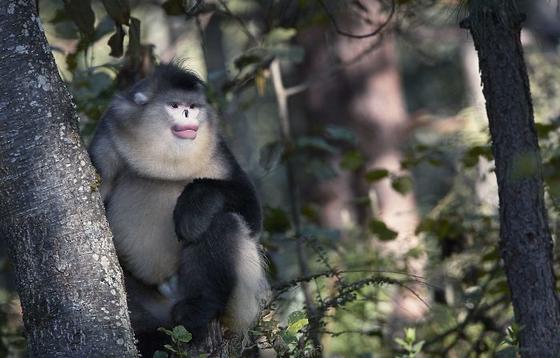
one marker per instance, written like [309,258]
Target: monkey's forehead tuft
[173,76]
[180,96]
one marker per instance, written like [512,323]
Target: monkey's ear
[140,93]
[140,98]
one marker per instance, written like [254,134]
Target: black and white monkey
[184,215]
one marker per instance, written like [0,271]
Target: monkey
[185,216]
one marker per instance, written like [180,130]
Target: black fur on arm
[203,199]
[207,275]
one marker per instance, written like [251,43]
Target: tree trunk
[525,237]
[67,273]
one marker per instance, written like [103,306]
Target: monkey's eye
[174,105]
[193,106]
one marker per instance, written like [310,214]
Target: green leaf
[340,134]
[418,346]
[247,59]
[296,316]
[470,158]
[59,16]
[543,130]
[379,228]
[376,175]
[288,52]
[181,334]
[160,354]
[173,7]
[316,143]
[400,342]
[352,160]
[104,27]
[169,347]
[81,13]
[279,35]
[116,42]
[119,10]
[297,326]
[276,220]
[166,331]
[270,155]
[287,337]
[402,184]
[134,38]
[410,334]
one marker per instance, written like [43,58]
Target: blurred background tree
[362,124]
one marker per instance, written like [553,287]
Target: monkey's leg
[207,275]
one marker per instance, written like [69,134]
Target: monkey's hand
[197,205]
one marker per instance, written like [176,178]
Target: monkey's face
[178,120]
[185,118]
[178,113]
[168,133]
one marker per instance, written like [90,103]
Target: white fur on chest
[140,213]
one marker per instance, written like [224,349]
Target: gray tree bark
[526,243]
[67,273]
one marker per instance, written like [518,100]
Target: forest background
[362,124]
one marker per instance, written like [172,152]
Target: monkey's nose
[186,113]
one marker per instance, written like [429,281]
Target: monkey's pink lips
[185,132]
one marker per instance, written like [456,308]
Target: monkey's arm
[208,275]
[202,199]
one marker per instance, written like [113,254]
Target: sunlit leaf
[279,35]
[296,316]
[260,82]
[297,326]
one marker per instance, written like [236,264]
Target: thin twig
[285,132]
[239,20]
[202,37]
[361,36]
[320,80]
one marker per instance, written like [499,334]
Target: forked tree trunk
[67,273]
[525,237]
